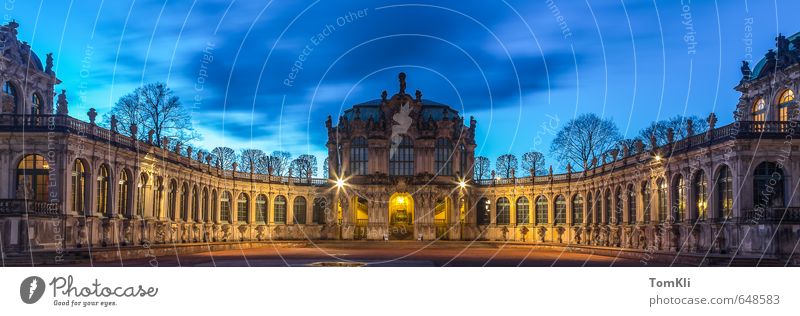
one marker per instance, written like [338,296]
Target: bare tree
[155,107]
[677,124]
[482,168]
[279,161]
[325,168]
[582,138]
[225,156]
[127,111]
[505,164]
[253,157]
[533,160]
[305,166]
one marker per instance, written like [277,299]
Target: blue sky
[522,68]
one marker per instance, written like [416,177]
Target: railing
[49,123]
[29,207]
[773,214]
[736,130]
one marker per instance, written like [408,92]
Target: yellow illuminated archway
[401,216]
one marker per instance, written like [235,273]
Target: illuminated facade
[400,168]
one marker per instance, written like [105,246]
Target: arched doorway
[401,216]
[362,218]
[441,216]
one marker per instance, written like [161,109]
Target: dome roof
[18,52]
[372,109]
[760,65]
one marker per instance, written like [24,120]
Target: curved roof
[372,109]
[760,65]
[17,51]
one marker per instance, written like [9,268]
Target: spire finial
[402,77]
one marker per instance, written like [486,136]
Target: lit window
[33,177]
[759,110]
[725,192]
[783,105]
[700,195]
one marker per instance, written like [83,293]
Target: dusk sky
[521,68]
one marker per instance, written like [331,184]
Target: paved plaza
[392,254]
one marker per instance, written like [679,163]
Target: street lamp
[340,183]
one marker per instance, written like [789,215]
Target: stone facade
[401,168]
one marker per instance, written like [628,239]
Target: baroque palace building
[400,168]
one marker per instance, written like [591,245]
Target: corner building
[401,169]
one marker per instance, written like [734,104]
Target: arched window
[609,207]
[482,211]
[158,194]
[401,157]
[678,198]
[214,213]
[541,211]
[359,156]
[577,209]
[725,193]
[503,209]
[206,210]
[184,201]
[242,208]
[172,195]
[225,207]
[523,211]
[631,205]
[619,206]
[759,110]
[590,209]
[280,210]
[318,213]
[261,208]
[768,185]
[647,201]
[561,210]
[299,210]
[10,89]
[140,194]
[33,177]
[783,105]
[123,191]
[700,188]
[662,200]
[103,189]
[36,104]
[443,152]
[195,209]
[79,182]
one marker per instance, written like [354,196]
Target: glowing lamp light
[340,183]
[400,200]
[658,157]
[462,184]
